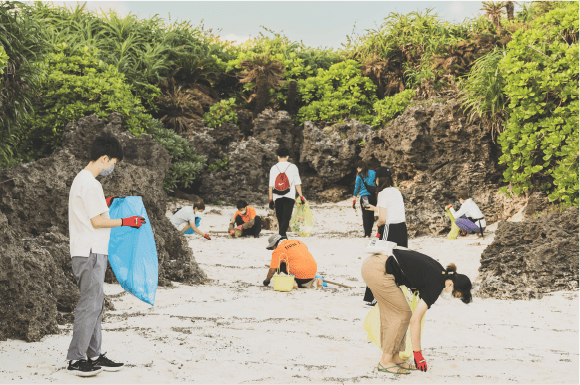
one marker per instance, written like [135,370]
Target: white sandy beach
[234,330]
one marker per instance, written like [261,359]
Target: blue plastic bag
[132,252]
[190,230]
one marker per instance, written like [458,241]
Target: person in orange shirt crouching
[292,257]
[246,220]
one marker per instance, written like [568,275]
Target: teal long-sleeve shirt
[360,187]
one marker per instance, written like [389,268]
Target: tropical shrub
[540,141]
[3,60]
[220,165]
[221,112]
[389,107]
[74,83]
[185,163]
[336,94]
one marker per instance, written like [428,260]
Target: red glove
[232,232]
[207,237]
[448,207]
[302,199]
[420,362]
[378,235]
[240,227]
[353,202]
[134,222]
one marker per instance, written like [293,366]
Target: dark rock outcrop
[35,267]
[526,259]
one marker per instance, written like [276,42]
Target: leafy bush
[220,113]
[336,94]
[185,163]
[219,165]
[540,141]
[3,60]
[389,107]
[73,84]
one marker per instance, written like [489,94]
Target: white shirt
[86,200]
[470,209]
[293,177]
[183,217]
[392,200]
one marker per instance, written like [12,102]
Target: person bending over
[384,274]
[89,231]
[246,220]
[188,218]
[469,217]
[284,182]
[292,257]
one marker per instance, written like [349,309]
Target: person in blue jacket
[365,186]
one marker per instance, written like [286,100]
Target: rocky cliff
[36,280]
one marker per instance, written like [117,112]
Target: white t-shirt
[183,217]
[392,200]
[470,209]
[293,176]
[86,200]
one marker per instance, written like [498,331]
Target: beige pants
[394,309]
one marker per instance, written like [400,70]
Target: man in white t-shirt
[89,231]
[284,182]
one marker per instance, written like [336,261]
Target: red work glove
[207,237]
[378,235]
[302,199]
[353,202]
[448,207]
[420,362]
[134,222]
[271,204]
[232,232]
[240,227]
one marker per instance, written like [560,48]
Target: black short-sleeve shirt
[418,271]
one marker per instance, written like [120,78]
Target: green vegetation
[220,165]
[391,106]
[221,112]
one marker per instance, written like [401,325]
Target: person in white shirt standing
[469,218]
[89,231]
[284,182]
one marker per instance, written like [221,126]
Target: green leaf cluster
[337,94]
[3,60]
[540,140]
[220,165]
[186,165]
[221,112]
[389,107]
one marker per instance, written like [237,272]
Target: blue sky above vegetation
[318,23]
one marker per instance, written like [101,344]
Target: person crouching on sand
[383,275]
[187,219]
[246,220]
[469,217]
[292,257]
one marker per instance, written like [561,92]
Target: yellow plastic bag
[454,228]
[372,324]
[302,222]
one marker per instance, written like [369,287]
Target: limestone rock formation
[34,252]
[528,258]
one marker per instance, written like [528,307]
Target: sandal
[405,362]
[381,368]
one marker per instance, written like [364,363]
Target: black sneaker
[83,368]
[106,364]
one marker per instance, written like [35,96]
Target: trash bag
[132,252]
[302,222]
[454,228]
[197,223]
[372,324]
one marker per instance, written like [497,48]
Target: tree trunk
[262,94]
[291,96]
[509,8]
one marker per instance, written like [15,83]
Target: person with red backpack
[284,182]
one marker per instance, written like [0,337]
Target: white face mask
[446,296]
[107,171]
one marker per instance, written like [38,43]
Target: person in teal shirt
[365,186]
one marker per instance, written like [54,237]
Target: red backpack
[282,183]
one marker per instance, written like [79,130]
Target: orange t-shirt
[299,261]
[250,214]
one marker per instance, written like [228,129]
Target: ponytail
[461,283]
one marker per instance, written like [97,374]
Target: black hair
[385,178]
[199,205]
[108,145]
[461,283]
[282,152]
[462,194]
[241,204]
[363,166]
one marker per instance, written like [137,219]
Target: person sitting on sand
[292,257]
[384,274]
[246,220]
[188,218]
[469,217]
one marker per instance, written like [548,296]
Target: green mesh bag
[454,228]
[302,222]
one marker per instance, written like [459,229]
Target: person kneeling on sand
[246,221]
[187,219]
[292,257]
[384,274]
[469,217]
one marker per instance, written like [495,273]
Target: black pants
[284,207]
[299,281]
[254,230]
[368,216]
[397,234]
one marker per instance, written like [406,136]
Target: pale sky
[316,23]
